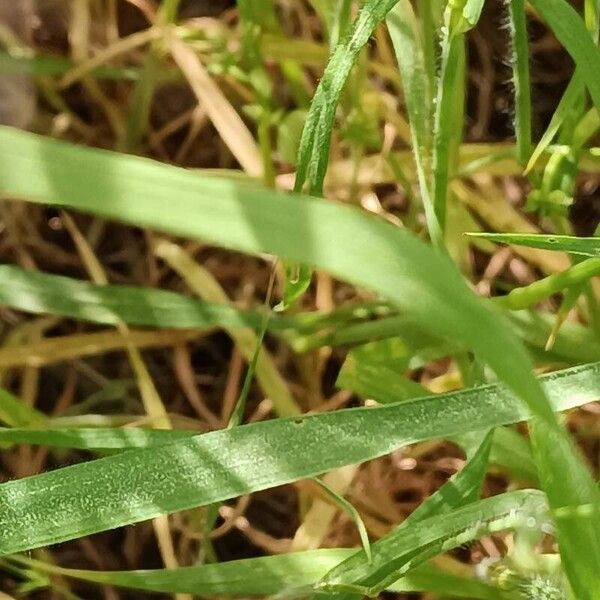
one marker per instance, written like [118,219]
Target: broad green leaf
[583,246]
[571,31]
[365,251]
[263,576]
[141,484]
[407,547]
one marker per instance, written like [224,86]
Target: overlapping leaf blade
[583,246]
[140,484]
[265,576]
[365,251]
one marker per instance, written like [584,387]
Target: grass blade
[582,246]
[256,220]
[349,509]
[313,154]
[14,412]
[521,79]
[96,439]
[263,576]
[213,467]
[570,98]
[407,547]
[406,37]
[365,251]
[461,489]
[524,297]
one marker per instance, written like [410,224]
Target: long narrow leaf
[140,484]
[264,576]
[571,31]
[408,547]
[521,79]
[583,246]
[405,34]
[365,251]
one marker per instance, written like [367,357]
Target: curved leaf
[140,484]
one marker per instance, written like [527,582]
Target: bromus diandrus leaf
[521,79]
[36,292]
[409,546]
[571,31]
[410,53]
[140,484]
[582,246]
[263,576]
[365,251]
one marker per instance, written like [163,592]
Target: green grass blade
[365,250]
[582,246]
[373,371]
[35,292]
[349,509]
[97,439]
[564,488]
[576,275]
[510,451]
[409,546]
[445,124]
[16,413]
[472,12]
[570,98]
[462,488]
[406,38]
[263,576]
[313,152]
[521,79]
[140,484]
